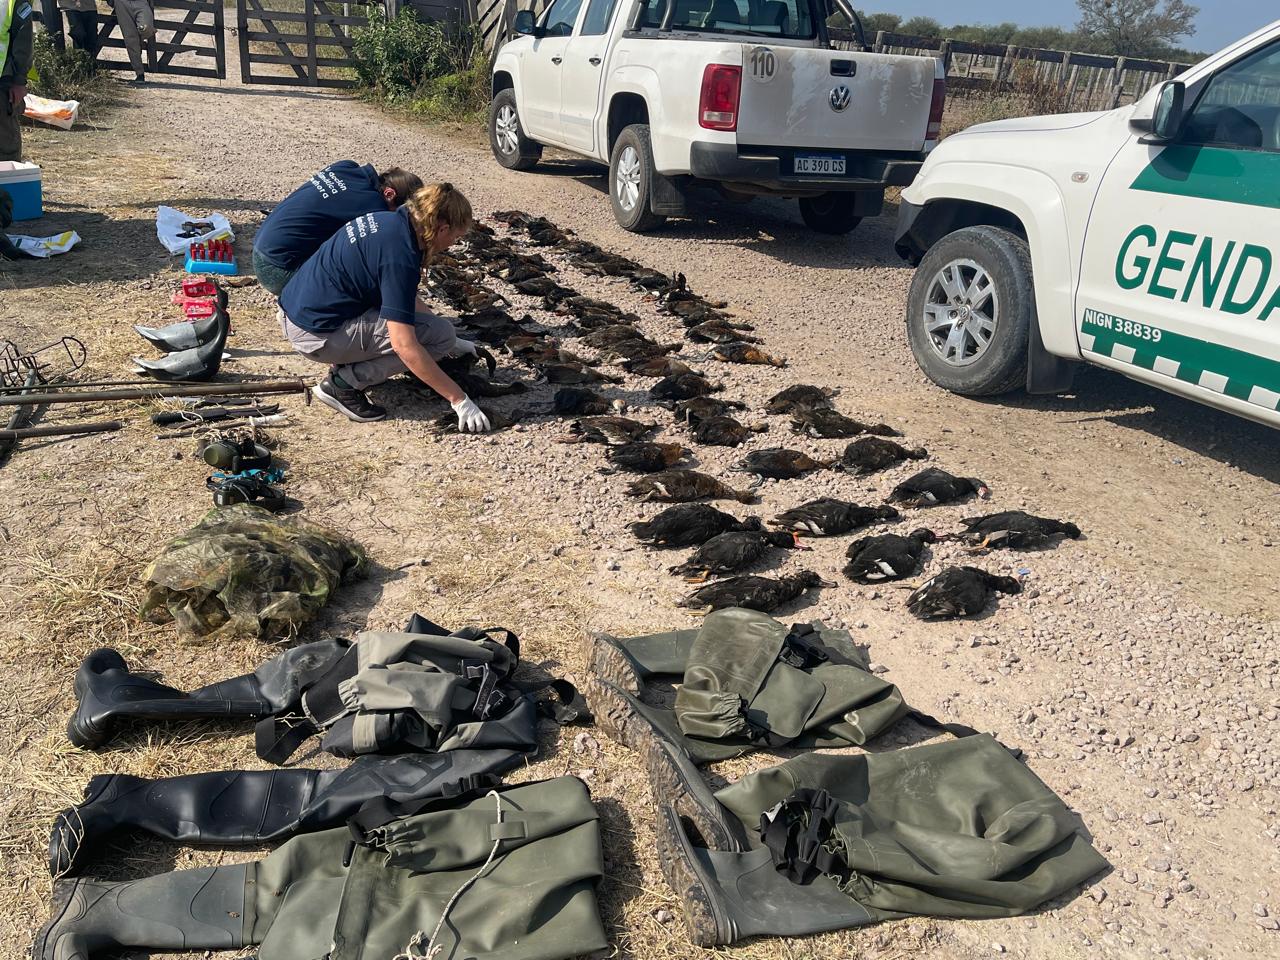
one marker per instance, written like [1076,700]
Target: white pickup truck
[1142,239]
[744,95]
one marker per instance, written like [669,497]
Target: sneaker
[348,401]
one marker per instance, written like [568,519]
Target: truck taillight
[934,130]
[721,89]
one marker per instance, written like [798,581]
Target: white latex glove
[462,348]
[471,419]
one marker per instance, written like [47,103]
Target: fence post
[879,46]
[1117,79]
[945,53]
[220,41]
[313,69]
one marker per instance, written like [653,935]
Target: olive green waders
[750,682]
[958,828]
[519,866]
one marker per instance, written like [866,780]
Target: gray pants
[137,24]
[360,350]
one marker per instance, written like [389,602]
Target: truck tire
[510,146]
[970,311]
[829,213]
[631,173]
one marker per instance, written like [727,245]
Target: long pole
[157,392]
[68,430]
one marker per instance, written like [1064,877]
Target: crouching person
[354,306]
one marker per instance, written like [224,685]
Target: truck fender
[643,82]
[506,74]
[1036,203]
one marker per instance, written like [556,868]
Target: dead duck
[887,556]
[580,304]
[870,454]
[545,287]
[683,386]
[579,400]
[689,524]
[728,553]
[718,331]
[933,486]
[575,373]
[1015,530]
[645,457]
[607,429]
[683,486]
[829,424]
[662,366]
[478,385]
[779,463]
[639,349]
[652,281]
[517,273]
[744,353]
[958,592]
[800,395]
[696,409]
[448,423]
[724,432]
[512,218]
[615,333]
[829,517]
[753,593]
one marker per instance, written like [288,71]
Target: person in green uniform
[17,49]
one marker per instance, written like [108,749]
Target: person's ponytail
[435,206]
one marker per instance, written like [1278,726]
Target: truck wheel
[631,175]
[510,146]
[829,213]
[970,310]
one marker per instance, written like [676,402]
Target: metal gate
[299,42]
[188,31]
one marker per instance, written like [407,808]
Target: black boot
[107,691]
[727,896]
[252,807]
[185,910]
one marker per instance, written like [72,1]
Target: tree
[921,27]
[873,22]
[1136,28]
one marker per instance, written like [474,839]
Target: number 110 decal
[763,64]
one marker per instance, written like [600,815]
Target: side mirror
[1166,120]
[525,25]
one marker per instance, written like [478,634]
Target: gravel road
[1137,671]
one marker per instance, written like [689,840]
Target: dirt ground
[1136,671]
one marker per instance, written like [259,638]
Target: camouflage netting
[246,573]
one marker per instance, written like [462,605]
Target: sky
[1220,21]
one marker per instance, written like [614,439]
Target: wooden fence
[311,38]
[189,29]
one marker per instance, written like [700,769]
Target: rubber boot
[107,692]
[185,910]
[629,662]
[252,807]
[728,896]
[673,777]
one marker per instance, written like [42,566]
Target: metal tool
[158,392]
[210,414]
[61,430]
[44,361]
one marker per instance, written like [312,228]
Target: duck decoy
[645,457]
[684,386]
[1015,530]
[753,593]
[779,463]
[696,409]
[606,429]
[661,366]
[933,486]
[958,592]
[569,401]
[870,454]
[797,396]
[689,524]
[828,517]
[185,335]
[828,424]
[682,486]
[724,432]
[739,352]
[197,363]
[575,373]
[728,553]
[718,331]
[888,556]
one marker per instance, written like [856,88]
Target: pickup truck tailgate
[789,95]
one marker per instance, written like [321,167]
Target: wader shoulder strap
[377,812]
[955,729]
[564,704]
[797,832]
[277,738]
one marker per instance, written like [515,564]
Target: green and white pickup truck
[1144,239]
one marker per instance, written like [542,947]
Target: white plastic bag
[57,113]
[44,247]
[171,224]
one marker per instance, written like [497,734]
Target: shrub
[397,57]
[65,75]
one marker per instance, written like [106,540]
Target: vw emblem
[839,98]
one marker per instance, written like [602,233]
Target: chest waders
[423,689]
[959,828]
[235,807]
[506,875]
